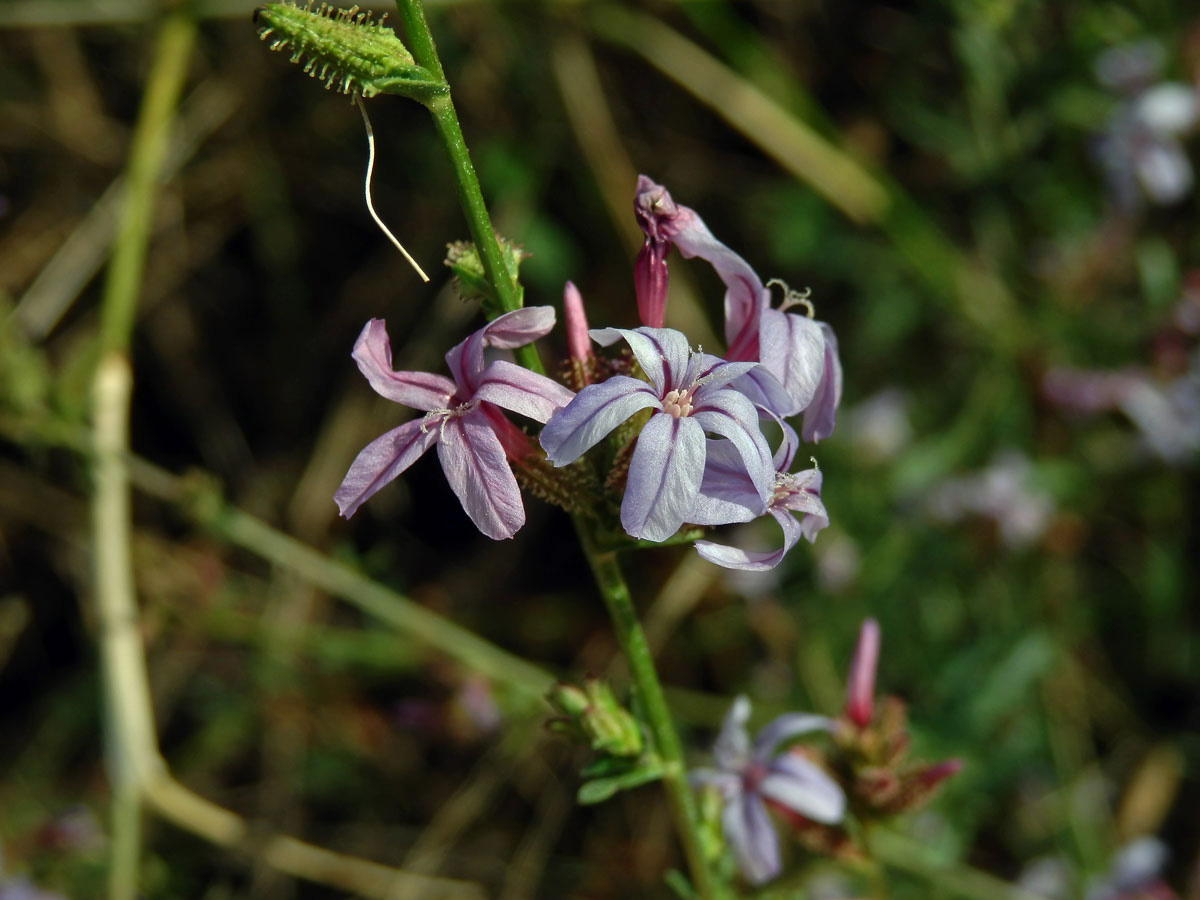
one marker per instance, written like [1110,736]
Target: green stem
[129,719]
[607,572]
[948,877]
[509,295]
[147,151]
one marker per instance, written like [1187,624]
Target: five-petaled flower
[801,353]
[462,416]
[748,775]
[690,395]
[728,495]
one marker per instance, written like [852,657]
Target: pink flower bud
[579,345]
[860,687]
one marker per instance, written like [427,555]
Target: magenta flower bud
[860,687]
[932,776]
[579,345]
[662,220]
[650,282]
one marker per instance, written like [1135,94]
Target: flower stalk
[504,279]
[632,639]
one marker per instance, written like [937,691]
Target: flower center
[678,403]
[752,776]
[438,417]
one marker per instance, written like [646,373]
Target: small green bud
[612,728]
[592,715]
[463,260]
[568,699]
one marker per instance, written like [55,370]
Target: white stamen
[794,298]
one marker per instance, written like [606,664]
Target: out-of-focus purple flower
[462,417]
[1166,413]
[860,686]
[1001,492]
[1140,146]
[22,888]
[690,395]
[879,427]
[728,494]
[749,775]
[1134,873]
[799,352]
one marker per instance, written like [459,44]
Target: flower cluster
[864,773]
[684,429]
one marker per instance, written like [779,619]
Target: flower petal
[732,416]
[784,728]
[664,477]
[419,390]
[744,295]
[763,389]
[792,348]
[751,836]
[519,327]
[732,747]
[727,493]
[513,329]
[662,353]
[819,417]
[380,462]
[730,557]
[479,475]
[595,411]
[516,388]
[728,783]
[803,787]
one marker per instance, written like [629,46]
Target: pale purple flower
[690,395]
[462,417]
[1002,492]
[727,494]
[1140,146]
[800,352]
[748,775]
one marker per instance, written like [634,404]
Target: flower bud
[860,686]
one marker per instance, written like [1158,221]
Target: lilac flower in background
[1166,413]
[879,426]
[727,494]
[462,417]
[749,775]
[1140,147]
[690,395]
[799,352]
[1002,492]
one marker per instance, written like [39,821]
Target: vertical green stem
[131,744]
[147,150]
[503,280]
[611,582]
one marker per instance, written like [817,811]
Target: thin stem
[954,879]
[129,719]
[611,582]
[147,152]
[509,295]
[204,505]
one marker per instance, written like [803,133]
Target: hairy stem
[611,582]
[509,295]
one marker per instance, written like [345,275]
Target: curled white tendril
[367,190]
